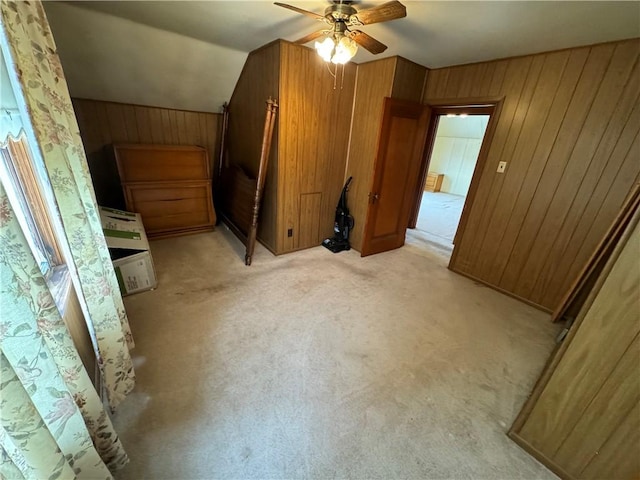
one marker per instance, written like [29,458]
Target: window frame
[19,167]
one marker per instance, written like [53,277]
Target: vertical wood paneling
[519,190]
[495,87]
[117,125]
[77,325]
[258,81]
[131,126]
[593,226]
[609,155]
[578,164]
[374,82]
[142,120]
[517,227]
[393,77]
[408,80]
[566,128]
[619,394]
[104,123]
[583,417]
[485,200]
[618,458]
[481,79]
[309,222]
[158,134]
[518,143]
[314,127]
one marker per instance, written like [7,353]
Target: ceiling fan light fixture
[337,49]
[326,48]
[346,48]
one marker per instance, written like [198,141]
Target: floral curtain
[34,59]
[52,421]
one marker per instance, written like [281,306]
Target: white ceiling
[434,34]
[189,54]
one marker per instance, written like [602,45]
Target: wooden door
[396,171]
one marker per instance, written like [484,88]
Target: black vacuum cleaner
[342,225]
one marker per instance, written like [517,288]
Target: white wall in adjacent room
[456,149]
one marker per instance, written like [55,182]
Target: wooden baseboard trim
[501,290]
[542,458]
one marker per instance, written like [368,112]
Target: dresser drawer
[434,182]
[159,163]
[172,207]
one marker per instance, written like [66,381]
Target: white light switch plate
[501,167]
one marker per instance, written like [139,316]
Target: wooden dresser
[434,182]
[170,186]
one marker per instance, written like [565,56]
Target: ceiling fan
[341,40]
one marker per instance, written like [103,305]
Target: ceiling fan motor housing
[339,12]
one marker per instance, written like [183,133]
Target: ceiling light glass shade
[325,48]
[336,50]
[345,50]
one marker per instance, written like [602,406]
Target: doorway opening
[452,156]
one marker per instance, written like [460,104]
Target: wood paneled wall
[104,123]
[568,128]
[309,151]
[389,77]
[259,80]
[374,82]
[77,325]
[315,120]
[583,418]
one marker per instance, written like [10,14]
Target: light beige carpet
[438,218]
[320,365]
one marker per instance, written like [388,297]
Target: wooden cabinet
[170,186]
[434,182]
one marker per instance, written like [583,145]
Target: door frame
[491,106]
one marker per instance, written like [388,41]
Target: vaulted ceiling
[188,54]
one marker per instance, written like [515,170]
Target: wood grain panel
[593,227]
[314,122]
[151,163]
[580,162]
[582,418]
[166,207]
[518,191]
[485,200]
[619,394]
[408,80]
[505,191]
[618,458]
[523,209]
[310,204]
[615,145]
[374,82]
[258,81]
[104,123]
[77,326]
[566,128]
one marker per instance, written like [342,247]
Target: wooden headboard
[169,185]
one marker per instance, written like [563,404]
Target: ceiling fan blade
[382,13]
[368,42]
[311,36]
[315,16]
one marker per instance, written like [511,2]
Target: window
[23,185]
